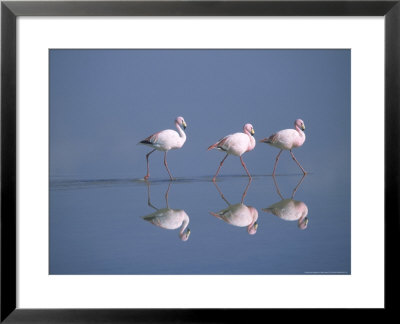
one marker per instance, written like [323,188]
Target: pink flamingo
[239,214]
[290,209]
[236,144]
[288,139]
[164,141]
[169,218]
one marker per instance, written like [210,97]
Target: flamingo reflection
[290,209]
[238,214]
[168,218]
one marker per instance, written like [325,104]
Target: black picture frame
[10,10]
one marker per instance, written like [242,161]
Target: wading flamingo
[290,209]
[166,140]
[169,218]
[239,214]
[288,139]
[236,144]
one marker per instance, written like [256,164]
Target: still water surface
[284,225]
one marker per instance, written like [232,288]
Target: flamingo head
[185,235]
[249,128]
[181,122]
[303,222]
[300,124]
[252,229]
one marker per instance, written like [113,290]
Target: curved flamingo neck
[302,222]
[254,214]
[252,140]
[299,130]
[252,144]
[180,131]
[304,212]
[302,138]
[185,224]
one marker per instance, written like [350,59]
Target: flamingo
[290,209]
[236,144]
[166,140]
[239,214]
[288,139]
[169,218]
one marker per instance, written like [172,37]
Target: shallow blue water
[97,226]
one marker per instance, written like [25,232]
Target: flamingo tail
[215,215]
[150,140]
[213,146]
[219,144]
[268,210]
[269,140]
[266,140]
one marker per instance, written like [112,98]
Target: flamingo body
[287,139]
[236,144]
[290,210]
[239,215]
[164,141]
[172,219]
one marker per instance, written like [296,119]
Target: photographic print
[199,161]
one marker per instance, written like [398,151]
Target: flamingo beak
[255,225]
[184,125]
[188,233]
[303,127]
[252,132]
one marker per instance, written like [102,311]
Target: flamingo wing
[272,139]
[219,144]
[152,139]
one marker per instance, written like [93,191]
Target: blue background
[103,102]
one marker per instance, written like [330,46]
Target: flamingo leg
[166,165]
[166,195]
[245,191]
[147,159]
[304,171]
[276,162]
[148,197]
[220,165]
[298,185]
[277,188]
[244,166]
[222,195]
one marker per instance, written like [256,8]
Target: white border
[364,288]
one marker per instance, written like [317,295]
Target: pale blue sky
[103,102]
